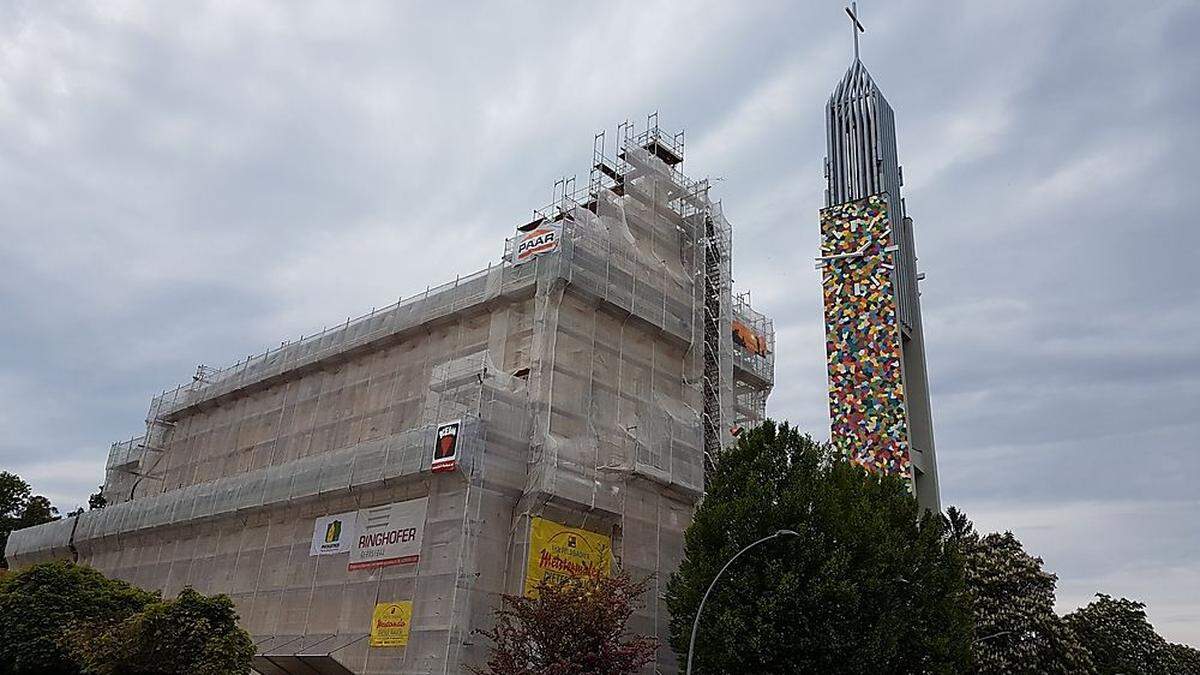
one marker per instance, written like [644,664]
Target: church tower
[878,384]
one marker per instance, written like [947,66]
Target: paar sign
[556,550]
[541,239]
[390,624]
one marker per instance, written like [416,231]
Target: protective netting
[579,382]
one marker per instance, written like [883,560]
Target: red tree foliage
[572,627]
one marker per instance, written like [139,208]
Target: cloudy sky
[185,183]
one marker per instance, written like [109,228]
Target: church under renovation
[366,494]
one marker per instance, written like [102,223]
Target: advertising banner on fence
[389,535]
[445,448]
[541,239]
[556,550]
[390,624]
[333,534]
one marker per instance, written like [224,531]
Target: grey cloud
[194,183]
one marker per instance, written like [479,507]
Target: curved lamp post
[696,621]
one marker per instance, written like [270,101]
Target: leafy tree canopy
[1121,640]
[20,509]
[40,604]
[1012,600]
[191,634]
[97,500]
[871,584]
[572,627]
[14,492]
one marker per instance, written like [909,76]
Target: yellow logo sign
[333,532]
[556,550]
[390,624]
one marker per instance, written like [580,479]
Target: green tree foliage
[63,618]
[14,492]
[20,509]
[1185,659]
[870,585]
[1012,600]
[1121,640]
[97,500]
[572,627]
[40,604]
[191,634]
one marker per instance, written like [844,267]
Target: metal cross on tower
[856,26]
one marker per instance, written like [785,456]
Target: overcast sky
[191,183]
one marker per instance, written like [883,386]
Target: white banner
[541,239]
[333,534]
[389,535]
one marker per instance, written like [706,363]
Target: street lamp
[696,621]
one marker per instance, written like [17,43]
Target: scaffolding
[594,384]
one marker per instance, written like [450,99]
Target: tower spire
[856,26]
[878,387]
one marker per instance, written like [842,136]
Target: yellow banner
[558,550]
[390,624]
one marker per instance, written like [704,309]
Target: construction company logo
[445,449]
[389,535]
[541,239]
[558,551]
[333,534]
[391,623]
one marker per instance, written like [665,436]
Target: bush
[40,605]
[572,627]
[190,634]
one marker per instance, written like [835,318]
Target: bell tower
[875,345]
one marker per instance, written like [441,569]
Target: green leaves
[19,508]
[65,618]
[1012,600]
[870,585]
[1121,640]
[190,634]
[1017,631]
[41,604]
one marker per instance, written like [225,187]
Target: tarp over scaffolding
[590,380]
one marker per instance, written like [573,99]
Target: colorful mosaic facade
[862,337]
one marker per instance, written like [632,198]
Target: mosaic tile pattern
[862,338]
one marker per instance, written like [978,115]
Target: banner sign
[541,239]
[390,624]
[333,534]
[556,550]
[389,535]
[445,449]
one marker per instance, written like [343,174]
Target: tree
[190,634]
[18,509]
[1185,659]
[1012,600]
[40,604]
[97,500]
[1121,640]
[572,627]
[14,492]
[871,584]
